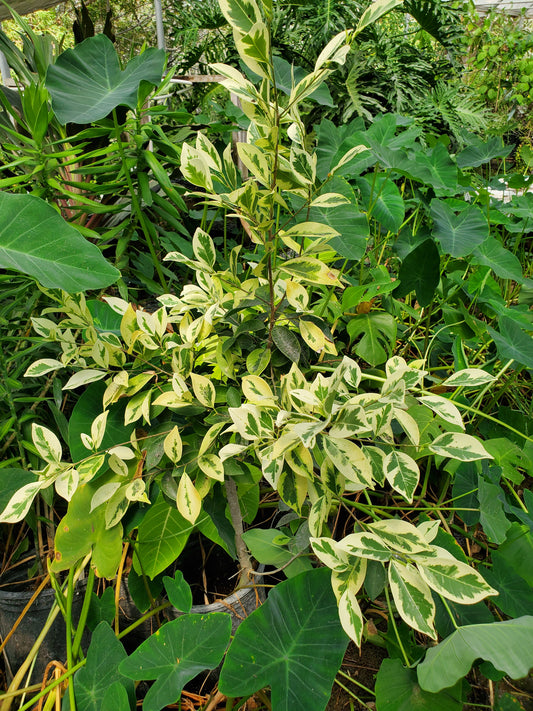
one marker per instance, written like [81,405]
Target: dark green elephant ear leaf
[36,240]
[177,653]
[99,684]
[86,83]
[294,643]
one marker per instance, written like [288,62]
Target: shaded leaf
[294,643]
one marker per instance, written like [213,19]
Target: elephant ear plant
[234,388]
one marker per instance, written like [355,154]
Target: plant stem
[393,622]
[76,645]
[448,610]
[68,622]
[245,562]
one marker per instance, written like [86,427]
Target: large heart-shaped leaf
[36,240]
[294,643]
[86,83]
[420,270]
[458,234]
[382,200]
[98,679]
[397,689]
[508,645]
[179,651]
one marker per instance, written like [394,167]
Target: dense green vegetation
[305,345]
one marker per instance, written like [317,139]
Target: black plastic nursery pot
[14,596]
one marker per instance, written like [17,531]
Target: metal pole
[159,24]
[4,66]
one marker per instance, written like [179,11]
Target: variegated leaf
[330,200]
[256,162]
[173,445]
[46,443]
[90,466]
[84,377]
[188,500]
[351,616]
[195,168]
[351,372]
[136,491]
[376,457]
[454,580]
[98,428]
[256,390]
[335,50]
[297,295]
[408,425]
[210,437]
[212,157]
[300,461]
[135,407]
[254,49]
[469,378]
[212,466]
[307,432]
[350,461]
[203,247]
[412,597]
[67,483]
[87,441]
[429,529]
[248,421]
[400,536]
[459,446]
[402,473]
[117,465]
[347,157]
[311,270]
[19,504]
[318,515]
[103,494]
[312,335]
[204,390]
[328,552]
[241,14]
[375,11]
[293,489]
[42,367]
[232,450]
[365,545]
[443,408]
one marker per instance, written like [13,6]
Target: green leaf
[377,332]
[176,653]
[376,10]
[420,271]
[36,240]
[458,234]
[162,536]
[512,342]
[478,152]
[178,591]
[515,594]
[491,253]
[397,689]
[265,547]
[491,507]
[287,342]
[459,446]
[382,199]
[92,683]
[277,645]
[82,530]
[86,83]
[507,645]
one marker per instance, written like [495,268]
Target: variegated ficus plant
[215,391]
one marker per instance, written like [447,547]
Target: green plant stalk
[357,683]
[393,621]
[354,696]
[136,205]
[49,687]
[68,622]
[19,676]
[487,387]
[76,645]
[448,610]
